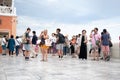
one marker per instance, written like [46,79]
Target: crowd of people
[59,45]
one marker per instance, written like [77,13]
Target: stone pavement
[16,68]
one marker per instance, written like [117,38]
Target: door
[1,35]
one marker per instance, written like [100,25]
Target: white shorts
[60,47]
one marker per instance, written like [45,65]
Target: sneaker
[93,59]
[97,59]
[4,54]
[11,55]
[107,58]
[101,58]
[73,56]
[26,58]
[32,57]
[45,60]
[59,56]
[42,60]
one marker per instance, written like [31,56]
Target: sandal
[42,60]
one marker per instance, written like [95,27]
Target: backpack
[24,38]
[61,38]
[110,44]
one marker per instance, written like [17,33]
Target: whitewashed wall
[115,51]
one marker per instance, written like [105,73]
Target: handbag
[36,48]
[97,42]
[110,43]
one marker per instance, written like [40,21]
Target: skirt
[44,46]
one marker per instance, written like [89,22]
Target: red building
[8,18]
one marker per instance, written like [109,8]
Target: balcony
[7,11]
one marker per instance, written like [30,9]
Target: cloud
[70,15]
[38,25]
[68,11]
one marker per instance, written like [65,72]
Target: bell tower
[8,18]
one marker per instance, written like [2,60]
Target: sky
[72,16]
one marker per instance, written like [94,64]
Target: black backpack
[61,38]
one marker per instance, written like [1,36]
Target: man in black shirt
[60,42]
[34,42]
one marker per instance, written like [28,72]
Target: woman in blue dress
[11,45]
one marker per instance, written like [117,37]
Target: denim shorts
[4,47]
[27,47]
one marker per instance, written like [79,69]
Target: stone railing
[7,10]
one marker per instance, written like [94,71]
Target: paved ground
[16,68]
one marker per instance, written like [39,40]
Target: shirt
[53,39]
[18,42]
[34,39]
[28,38]
[78,41]
[3,41]
[95,37]
[105,39]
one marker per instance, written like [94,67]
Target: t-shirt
[28,38]
[18,42]
[95,37]
[34,39]
[3,41]
[105,39]
[53,39]
[78,41]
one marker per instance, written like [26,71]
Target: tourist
[77,44]
[27,42]
[60,42]
[90,48]
[7,38]
[53,45]
[66,46]
[18,44]
[23,49]
[34,45]
[72,47]
[4,44]
[11,45]
[83,46]
[95,39]
[44,44]
[105,38]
